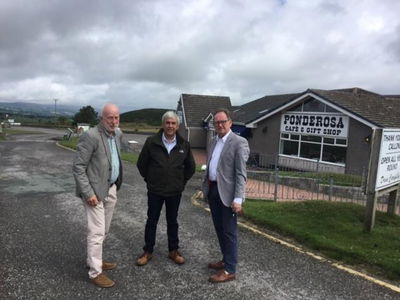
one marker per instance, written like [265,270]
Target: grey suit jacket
[231,170]
[92,164]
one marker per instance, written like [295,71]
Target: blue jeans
[225,223]
[155,204]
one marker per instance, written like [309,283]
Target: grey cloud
[393,46]
[143,53]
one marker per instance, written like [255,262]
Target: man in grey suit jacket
[97,171]
[224,186]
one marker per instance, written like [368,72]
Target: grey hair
[106,105]
[169,115]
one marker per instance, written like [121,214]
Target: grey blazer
[92,164]
[231,170]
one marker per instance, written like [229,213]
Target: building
[193,110]
[323,129]
[327,130]
[82,127]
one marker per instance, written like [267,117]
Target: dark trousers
[225,223]
[155,203]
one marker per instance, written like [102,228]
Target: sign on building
[314,123]
[388,173]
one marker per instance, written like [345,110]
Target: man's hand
[237,208]
[92,201]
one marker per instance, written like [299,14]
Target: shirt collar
[165,140]
[223,139]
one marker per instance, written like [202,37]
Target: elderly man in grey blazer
[224,186]
[97,171]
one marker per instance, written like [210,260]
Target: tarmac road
[42,245]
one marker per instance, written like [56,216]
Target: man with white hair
[97,171]
[166,164]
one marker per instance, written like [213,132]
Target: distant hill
[149,116]
[34,109]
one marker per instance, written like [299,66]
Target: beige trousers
[98,224]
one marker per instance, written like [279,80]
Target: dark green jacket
[166,174]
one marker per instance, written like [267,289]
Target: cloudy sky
[145,53]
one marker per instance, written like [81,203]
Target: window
[290,144]
[310,150]
[334,154]
[296,108]
[332,150]
[285,135]
[290,148]
[341,141]
[313,105]
[180,116]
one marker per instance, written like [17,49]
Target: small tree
[62,120]
[86,114]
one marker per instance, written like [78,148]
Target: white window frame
[322,143]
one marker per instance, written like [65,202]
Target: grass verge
[336,230]
[71,143]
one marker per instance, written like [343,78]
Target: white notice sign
[389,159]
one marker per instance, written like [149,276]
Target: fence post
[363,180]
[276,180]
[330,187]
[392,203]
[369,221]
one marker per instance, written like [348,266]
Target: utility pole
[55,107]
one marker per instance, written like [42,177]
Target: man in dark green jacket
[166,164]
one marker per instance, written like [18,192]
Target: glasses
[222,122]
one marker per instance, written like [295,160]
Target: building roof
[384,111]
[377,110]
[253,110]
[197,107]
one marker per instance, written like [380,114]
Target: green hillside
[149,116]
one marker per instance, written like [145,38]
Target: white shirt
[169,145]
[212,171]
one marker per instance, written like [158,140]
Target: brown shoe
[144,259]
[108,266]
[221,276]
[219,265]
[103,281]
[176,257]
